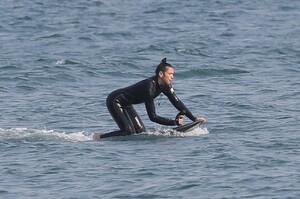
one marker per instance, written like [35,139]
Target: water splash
[172,133]
[65,62]
[35,135]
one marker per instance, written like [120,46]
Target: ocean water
[237,63]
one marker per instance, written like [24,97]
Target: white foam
[42,135]
[171,133]
[79,136]
[36,135]
[60,62]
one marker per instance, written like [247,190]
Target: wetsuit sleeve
[150,107]
[155,118]
[178,104]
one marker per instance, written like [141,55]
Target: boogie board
[187,127]
[183,129]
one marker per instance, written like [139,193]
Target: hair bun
[164,60]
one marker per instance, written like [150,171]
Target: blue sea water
[237,63]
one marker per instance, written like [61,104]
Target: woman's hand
[201,120]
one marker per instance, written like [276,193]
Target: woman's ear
[161,74]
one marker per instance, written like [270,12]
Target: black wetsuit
[119,104]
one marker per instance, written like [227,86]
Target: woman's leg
[135,119]
[125,116]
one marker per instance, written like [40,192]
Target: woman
[119,103]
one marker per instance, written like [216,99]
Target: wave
[52,36]
[28,135]
[199,131]
[65,62]
[211,72]
[25,18]
[35,135]
[191,51]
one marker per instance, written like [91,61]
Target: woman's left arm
[177,103]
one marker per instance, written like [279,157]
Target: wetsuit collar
[162,87]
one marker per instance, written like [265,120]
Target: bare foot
[96,136]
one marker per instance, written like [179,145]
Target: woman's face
[167,76]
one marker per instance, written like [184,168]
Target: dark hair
[162,66]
